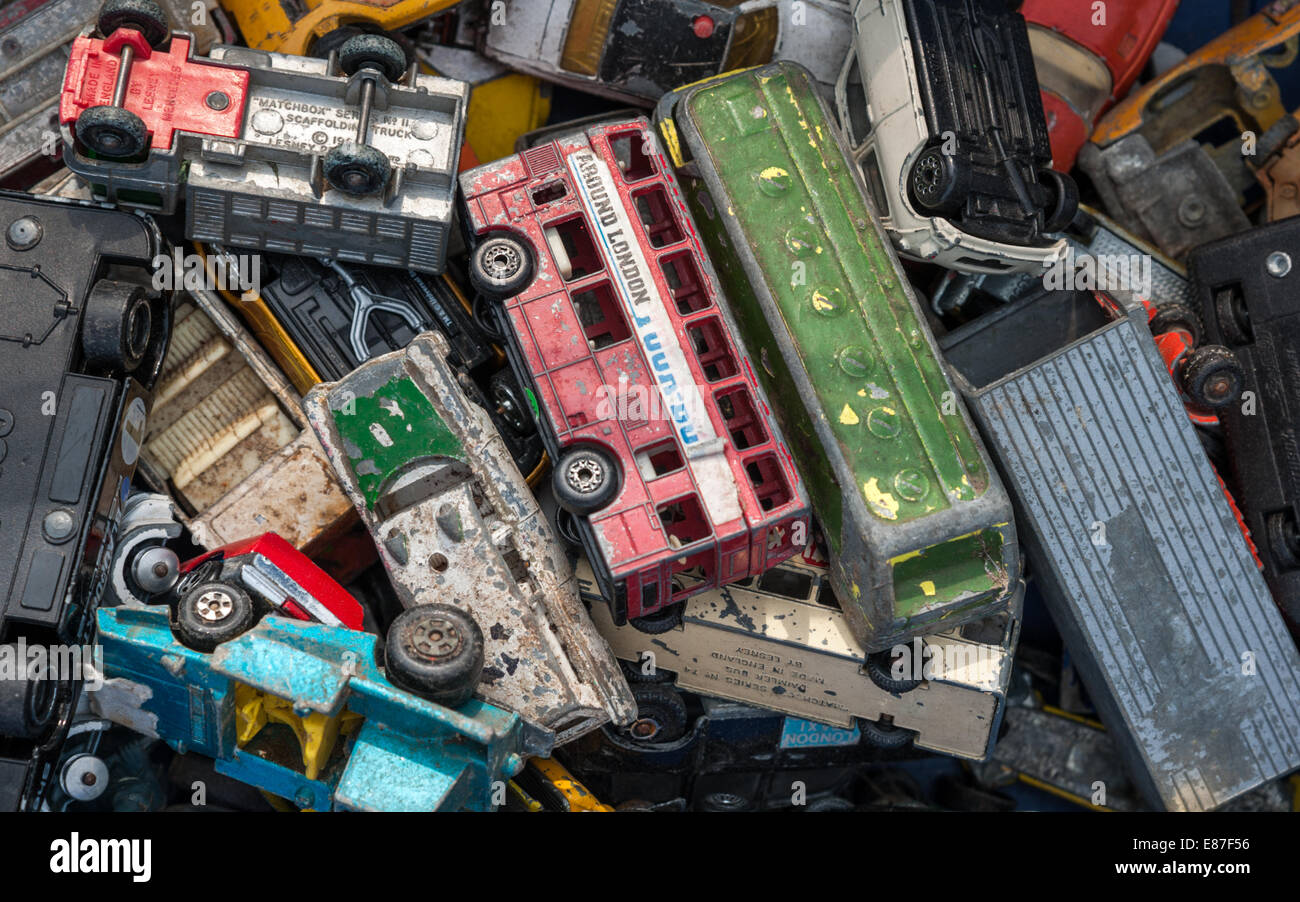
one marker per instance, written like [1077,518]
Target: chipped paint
[466,530]
[881,503]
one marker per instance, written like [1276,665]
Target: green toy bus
[918,524]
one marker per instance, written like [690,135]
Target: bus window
[549,193]
[684,521]
[738,411]
[657,216]
[574,251]
[769,483]
[602,320]
[716,358]
[659,460]
[684,283]
[629,150]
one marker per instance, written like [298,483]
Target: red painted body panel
[167,90]
[572,371]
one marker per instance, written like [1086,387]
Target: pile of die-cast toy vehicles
[648,404]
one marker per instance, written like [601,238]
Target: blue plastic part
[409,754]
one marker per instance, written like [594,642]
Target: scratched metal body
[1134,547]
[253,178]
[918,523]
[455,522]
[363,744]
[781,642]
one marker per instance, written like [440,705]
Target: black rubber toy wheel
[1212,377]
[510,402]
[144,16]
[112,132]
[1173,317]
[585,479]
[885,735]
[373,51]
[566,527]
[880,669]
[938,181]
[667,618]
[724,801]
[357,169]
[435,651]
[1063,200]
[660,714]
[1233,318]
[212,613]
[634,674]
[500,267]
[27,705]
[118,326]
[1283,539]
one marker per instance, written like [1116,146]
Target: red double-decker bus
[664,446]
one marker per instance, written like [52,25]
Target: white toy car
[967,185]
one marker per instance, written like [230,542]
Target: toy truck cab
[351,157]
[665,448]
[941,106]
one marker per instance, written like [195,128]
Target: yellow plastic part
[317,733]
[578,797]
[250,713]
[502,109]
[266,26]
[270,334]
[585,39]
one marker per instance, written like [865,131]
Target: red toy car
[1087,59]
[214,597]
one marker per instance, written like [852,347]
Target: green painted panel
[386,429]
[877,380]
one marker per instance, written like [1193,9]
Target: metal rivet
[58,525]
[1278,264]
[217,100]
[24,233]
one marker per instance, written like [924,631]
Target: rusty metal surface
[456,523]
[229,438]
[1280,177]
[1176,200]
[293,493]
[230,326]
[215,420]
